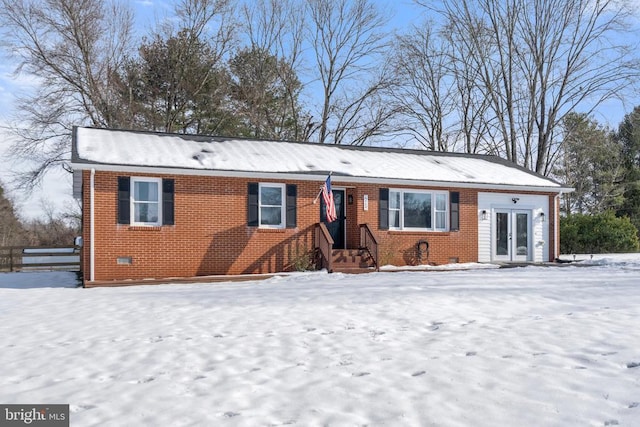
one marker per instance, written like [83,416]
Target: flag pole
[320,192]
[318,196]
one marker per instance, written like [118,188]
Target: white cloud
[12,85]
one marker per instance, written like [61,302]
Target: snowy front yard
[526,346]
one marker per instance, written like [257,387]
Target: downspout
[92,262]
[556,226]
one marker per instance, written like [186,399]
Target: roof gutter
[315,176]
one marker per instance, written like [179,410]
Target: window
[417,210]
[271,205]
[151,200]
[146,201]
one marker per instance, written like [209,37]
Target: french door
[512,235]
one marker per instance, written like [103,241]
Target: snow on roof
[93,148]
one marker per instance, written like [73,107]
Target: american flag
[327,196]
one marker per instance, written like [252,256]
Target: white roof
[108,149]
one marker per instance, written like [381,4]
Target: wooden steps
[352,261]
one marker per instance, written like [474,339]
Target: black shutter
[167,202]
[124,188]
[252,204]
[454,197]
[292,192]
[383,209]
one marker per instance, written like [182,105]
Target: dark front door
[336,228]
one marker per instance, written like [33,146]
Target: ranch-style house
[158,206]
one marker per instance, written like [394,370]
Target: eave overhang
[313,176]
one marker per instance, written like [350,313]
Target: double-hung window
[394,209]
[271,205]
[440,211]
[146,203]
[418,210]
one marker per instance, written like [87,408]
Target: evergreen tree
[592,165]
[265,90]
[628,137]
[177,85]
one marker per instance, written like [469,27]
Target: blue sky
[57,189]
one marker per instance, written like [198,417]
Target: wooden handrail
[324,245]
[368,241]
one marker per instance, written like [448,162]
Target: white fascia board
[320,176]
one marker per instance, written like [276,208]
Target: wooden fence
[22,258]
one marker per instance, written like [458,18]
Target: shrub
[388,250]
[600,233]
[301,259]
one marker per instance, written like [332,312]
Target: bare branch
[347,40]
[72,46]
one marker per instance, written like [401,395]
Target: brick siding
[211,235]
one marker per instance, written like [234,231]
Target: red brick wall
[400,247]
[211,236]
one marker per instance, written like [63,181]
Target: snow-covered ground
[534,346]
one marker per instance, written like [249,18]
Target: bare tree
[486,31]
[72,48]
[474,125]
[426,92]
[539,61]
[440,100]
[348,41]
[212,21]
[78,51]
[276,28]
[11,230]
[53,228]
[573,56]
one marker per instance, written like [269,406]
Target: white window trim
[283,210]
[433,194]
[132,201]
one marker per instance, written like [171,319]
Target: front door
[512,236]
[336,228]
